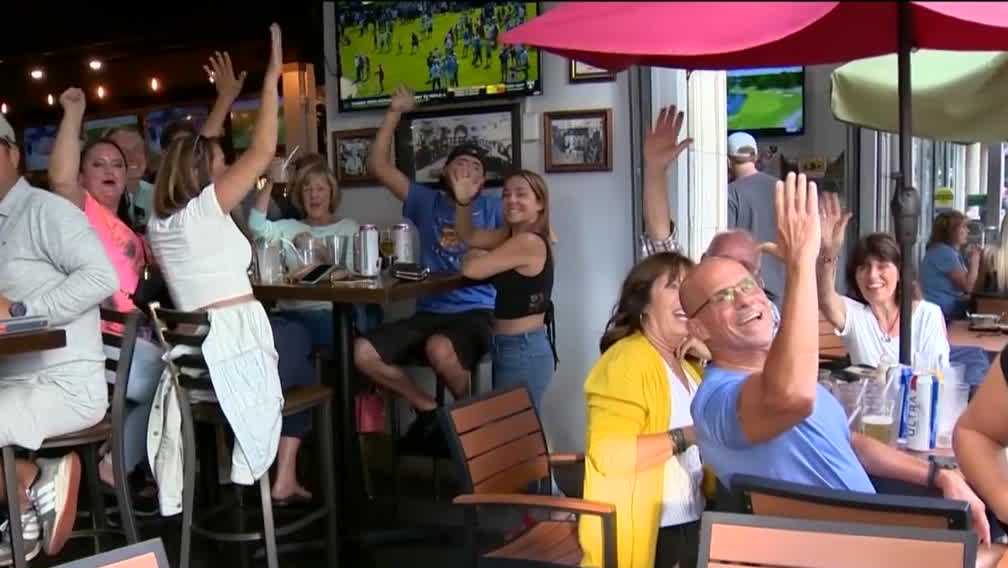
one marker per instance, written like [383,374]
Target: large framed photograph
[350,155]
[584,73]
[578,141]
[425,139]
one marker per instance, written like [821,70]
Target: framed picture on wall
[578,141]
[425,139]
[350,155]
[584,73]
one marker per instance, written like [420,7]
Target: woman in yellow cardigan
[640,454]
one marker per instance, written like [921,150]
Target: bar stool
[89,440]
[188,330]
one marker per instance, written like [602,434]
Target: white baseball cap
[742,145]
[6,132]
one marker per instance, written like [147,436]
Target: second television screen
[443,51]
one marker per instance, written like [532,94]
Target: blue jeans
[319,322]
[525,358]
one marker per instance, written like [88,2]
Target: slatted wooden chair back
[774,498]
[498,442]
[730,540]
[184,331]
[119,356]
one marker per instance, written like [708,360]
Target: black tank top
[519,295]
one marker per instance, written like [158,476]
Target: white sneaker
[31,533]
[54,495]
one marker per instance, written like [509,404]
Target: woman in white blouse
[869,320]
[205,259]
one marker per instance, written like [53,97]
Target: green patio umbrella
[958,96]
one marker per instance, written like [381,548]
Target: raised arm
[966,280]
[834,227]
[64,162]
[466,187]
[379,159]
[234,184]
[258,223]
[783,393]
[661,148]
[228,88]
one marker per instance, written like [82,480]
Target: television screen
[243,115]
[769,100]
[38,145]
[443,51]
[156,121]
[94,129]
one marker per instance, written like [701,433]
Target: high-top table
[343,296]
[30,341]
[959,333]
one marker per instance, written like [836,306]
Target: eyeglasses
[747,286]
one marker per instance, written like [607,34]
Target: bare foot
[283,491]
[105,471]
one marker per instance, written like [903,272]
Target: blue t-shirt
[816,452]
[939,261]
[441,250]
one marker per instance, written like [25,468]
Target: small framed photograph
[578,141]
[584,73]
[350,156]
[425,139]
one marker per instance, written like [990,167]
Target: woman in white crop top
[205,260]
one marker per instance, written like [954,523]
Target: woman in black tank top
[517,259]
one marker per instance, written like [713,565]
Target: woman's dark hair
[880,247]
[123,209]
[635,295]
[945,227]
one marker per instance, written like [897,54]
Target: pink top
[123,247]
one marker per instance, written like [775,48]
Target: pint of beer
[879,427]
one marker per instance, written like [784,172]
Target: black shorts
[469,332]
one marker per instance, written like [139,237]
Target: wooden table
[30,341]
[343,296]
[990,341]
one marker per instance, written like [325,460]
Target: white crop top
[202,254]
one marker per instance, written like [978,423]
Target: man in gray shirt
[751,206]
[52,265]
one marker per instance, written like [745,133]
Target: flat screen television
[769,100]
[443,51]
[38,145]
[243,115]
[156,121]
[98,127]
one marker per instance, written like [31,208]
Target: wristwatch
[18,310]
[934,467]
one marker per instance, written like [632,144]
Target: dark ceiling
[138,41]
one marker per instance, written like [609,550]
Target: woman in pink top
[94,179]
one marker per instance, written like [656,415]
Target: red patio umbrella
[726,35]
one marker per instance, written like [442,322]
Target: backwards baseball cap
[468,149]
[6,132]
[742,145]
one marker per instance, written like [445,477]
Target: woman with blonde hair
[316,194]
[640,452]
[518,260]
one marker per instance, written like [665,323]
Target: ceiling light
[37,73]
[188,117]
[50,99]
[95,64]
[101,92]
[154,84]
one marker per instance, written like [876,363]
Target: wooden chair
[188,330]
[147,554]
[498,446]
[89,440]
[831,345]
[770,497]
[729,540]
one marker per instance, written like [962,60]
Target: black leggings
[678,544]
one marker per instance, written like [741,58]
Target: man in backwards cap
[452,331]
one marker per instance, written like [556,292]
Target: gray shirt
[52,261]
[751,207]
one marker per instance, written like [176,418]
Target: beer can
[922,412]
[904,376]
[367,259]
[402,243]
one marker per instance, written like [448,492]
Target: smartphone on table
[317,274]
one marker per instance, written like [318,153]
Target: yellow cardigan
[627,395]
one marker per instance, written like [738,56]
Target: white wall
[591,215]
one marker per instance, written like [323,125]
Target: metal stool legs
[13,489]
[324,437]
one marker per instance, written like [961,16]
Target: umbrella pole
[906,200]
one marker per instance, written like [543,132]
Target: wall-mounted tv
[98,127]
[769,100]
[443,51]
[157,120]
[243,116]
[38,145]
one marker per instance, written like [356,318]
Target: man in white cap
[53,266]
[751,206]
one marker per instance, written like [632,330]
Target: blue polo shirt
[815,452]
[433,214]
[940,260]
